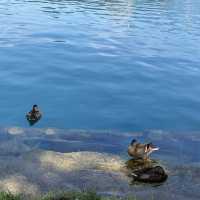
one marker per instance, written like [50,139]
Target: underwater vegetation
[9,196]
[69,195]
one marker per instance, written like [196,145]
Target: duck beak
[155,148]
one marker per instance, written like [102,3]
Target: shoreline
[37,161]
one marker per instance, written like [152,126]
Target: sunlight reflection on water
[125,65]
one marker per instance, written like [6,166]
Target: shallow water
[117,64]
[34,161]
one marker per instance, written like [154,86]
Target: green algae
[69,195]
[9,196]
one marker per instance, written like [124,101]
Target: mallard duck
[34,115]
[141,151]
[150,175]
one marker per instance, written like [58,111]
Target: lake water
[119,67]
[103,64]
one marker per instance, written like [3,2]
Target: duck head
[133,141]
[35,108]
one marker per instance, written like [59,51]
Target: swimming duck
[150,175]
[34,115]
[141,151]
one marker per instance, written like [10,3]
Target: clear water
[20,157]
[104,64]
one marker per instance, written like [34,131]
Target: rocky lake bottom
[36,161]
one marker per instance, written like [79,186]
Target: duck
[141,151]
[150,175]
[34,115]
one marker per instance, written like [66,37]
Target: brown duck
[141,151]
[34,115]
[150,175]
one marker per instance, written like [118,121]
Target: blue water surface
[101,64]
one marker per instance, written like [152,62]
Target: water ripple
[121,64]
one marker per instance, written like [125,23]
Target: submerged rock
[43,171]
